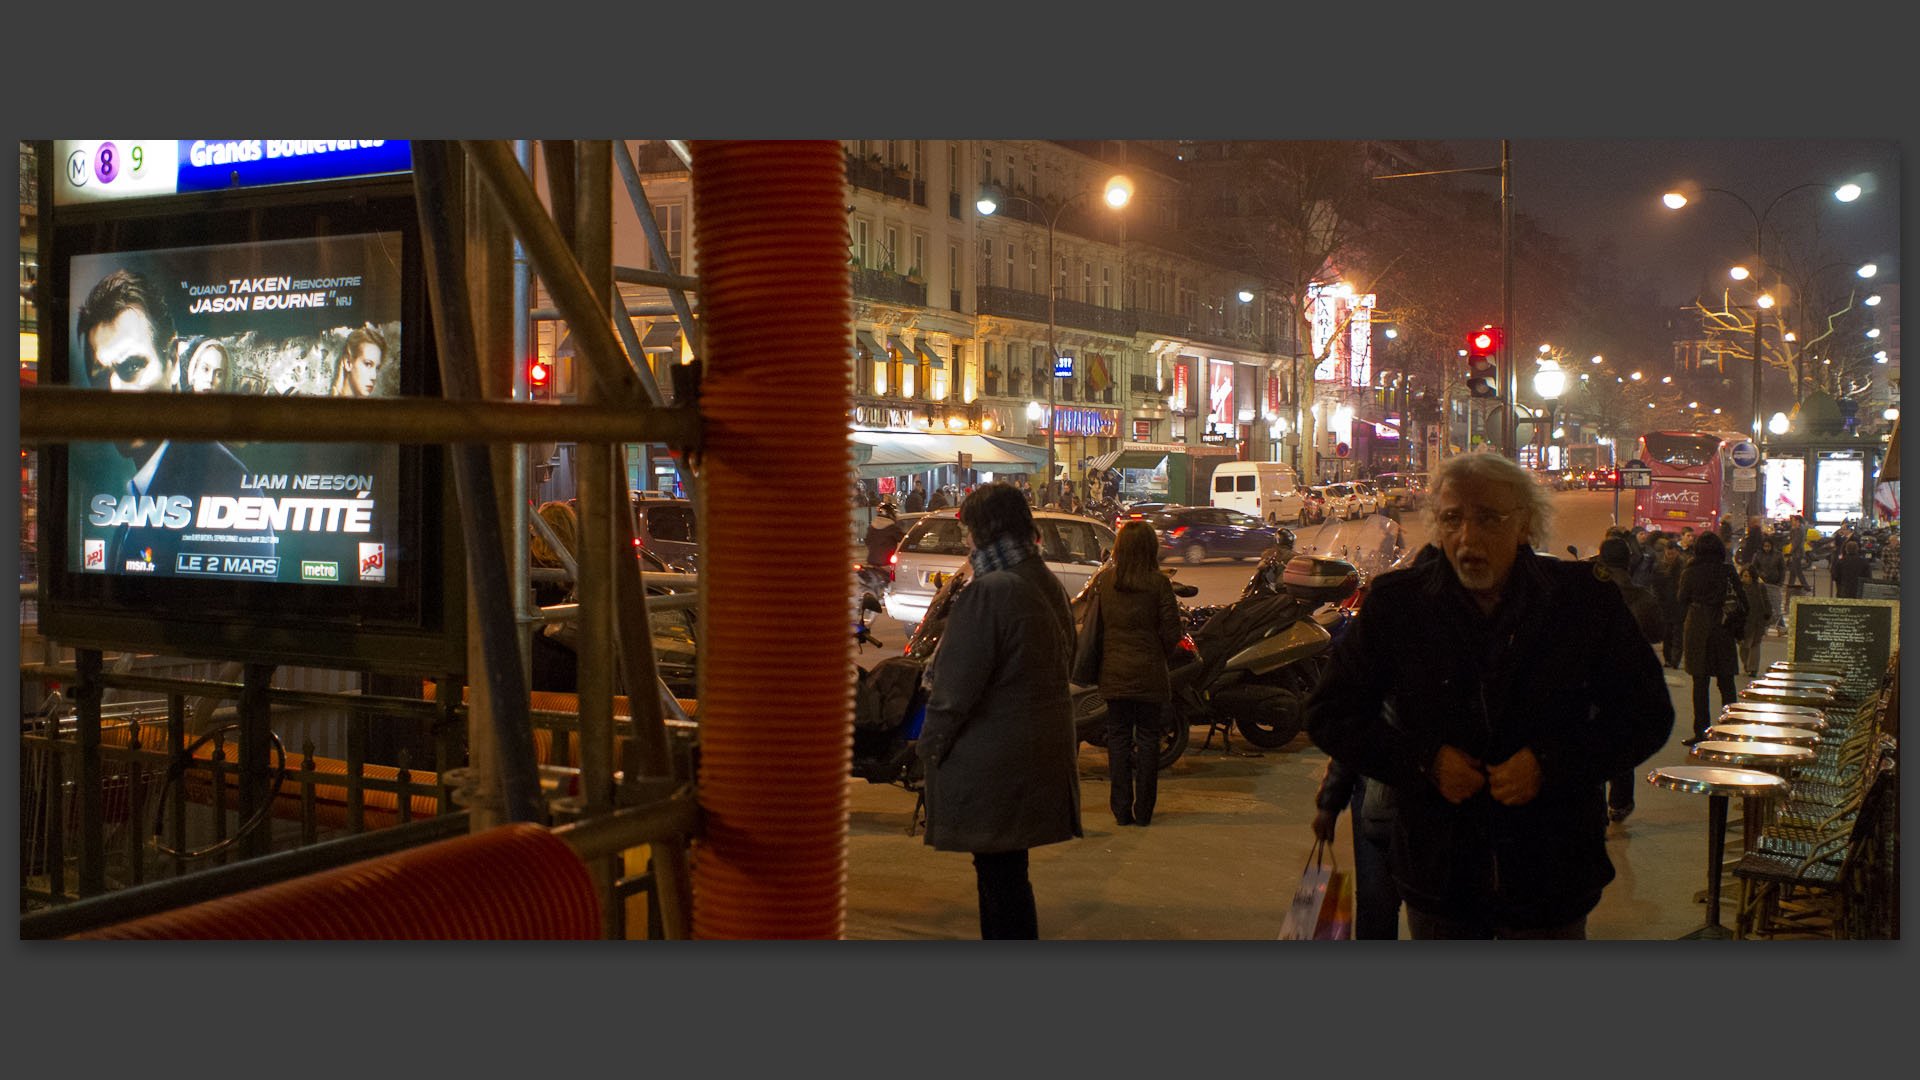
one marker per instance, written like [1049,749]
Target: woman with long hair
[1708,651]
[1138,626]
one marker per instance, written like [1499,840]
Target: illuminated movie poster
[1220,395]
[313,317]
[1786,487]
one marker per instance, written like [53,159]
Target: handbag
[1733,607]
[1086,652]
[1322,908]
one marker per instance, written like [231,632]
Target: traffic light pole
[1508,377]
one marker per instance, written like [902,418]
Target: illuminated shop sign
[96,170]
[1103,423]
[1220,393]
[1348,357]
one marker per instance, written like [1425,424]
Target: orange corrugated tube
[514,882]
[776,729]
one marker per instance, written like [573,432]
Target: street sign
[1342,450]
[1636,474]
[1744,455]
[966,460]
[1063,367]
[1745,479]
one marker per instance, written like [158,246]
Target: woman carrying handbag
[1134,625]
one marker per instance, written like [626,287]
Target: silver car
[936,548]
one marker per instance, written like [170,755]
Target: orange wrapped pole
[776,729]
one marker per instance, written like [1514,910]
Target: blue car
[1198,533]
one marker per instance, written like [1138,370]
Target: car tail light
[893,560]
[1175,534]
[1186,642]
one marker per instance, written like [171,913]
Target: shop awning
[898,346]
[1124,458]
[868,344]
[896,453]
[932,358]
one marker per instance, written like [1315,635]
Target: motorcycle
[889,707]
[1259,657]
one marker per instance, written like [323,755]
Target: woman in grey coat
[999,742]
[1139,625]
[1707,651]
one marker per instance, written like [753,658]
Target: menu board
[1859,634]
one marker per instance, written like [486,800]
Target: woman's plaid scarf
[1003,553]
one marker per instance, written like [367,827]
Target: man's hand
[1323,824]
[1457,774]
[1515,781]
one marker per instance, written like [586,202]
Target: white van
[1268,490]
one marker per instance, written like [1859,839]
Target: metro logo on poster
[96,551]
[373,562]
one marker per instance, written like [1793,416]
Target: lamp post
[1675,200]
[1549,382]
[1117,193]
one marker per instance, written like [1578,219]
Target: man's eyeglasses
[1452,521]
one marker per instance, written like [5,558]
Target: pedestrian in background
[1134,628]
[917,498]
[1796,552]
[998,740]
[1664,583]
[1709,652]
[1614,565]
[1850,568]
[1771,566]
[1759,617]
[1376,899]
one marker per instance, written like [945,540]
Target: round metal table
[1736,714]
[1775,694]
[1817,667]
[1718,784]
[1778,708]
[1767,733]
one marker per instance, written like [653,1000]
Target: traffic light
[537,372]
[1482,374]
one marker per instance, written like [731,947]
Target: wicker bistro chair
[1831,890]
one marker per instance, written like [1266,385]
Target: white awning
[897,453]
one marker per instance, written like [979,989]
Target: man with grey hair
[1494,690]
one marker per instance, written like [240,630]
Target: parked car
[935,549]
[1342,501]
[665,527]
[1313,506]
[1401,490]
[1138,511]
[1198,533]
[1371,498]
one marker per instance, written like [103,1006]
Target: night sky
[1587,190]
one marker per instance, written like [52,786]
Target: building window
[1042,369]
[1009,266]
[1033,178]
[919,263]
[919,159]
[1086,282]
[986,261]
[953,167]
[953,267]
[860,230]
[671,217]
[1009,171]
[900,372]
[1062,271]
[986,166]
[1033,270]
[1106,286]
[892,253]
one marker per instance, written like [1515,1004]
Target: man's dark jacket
[1559,668]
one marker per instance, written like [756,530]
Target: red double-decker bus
[1688,470]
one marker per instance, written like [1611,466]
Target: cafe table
[1734,714]
[1719,784]
[1818,667]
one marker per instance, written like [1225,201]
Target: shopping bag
[1322,908]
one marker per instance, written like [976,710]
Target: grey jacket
[999,742]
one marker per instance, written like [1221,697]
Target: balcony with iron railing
[1014,303]
[1162,323]
[888,287]
[890,180]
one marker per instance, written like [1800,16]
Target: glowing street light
[1766,300]
[1738,273]
[1596,358]
[1635,376]
[1872,301]
[1778,424]
[1246,297]
[1847,192]
[1868,270]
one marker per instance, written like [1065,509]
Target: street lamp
[1118,190]
[1675,200]
[1549,382]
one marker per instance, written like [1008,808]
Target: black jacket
[1560,668]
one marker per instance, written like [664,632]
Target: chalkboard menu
[1857,633]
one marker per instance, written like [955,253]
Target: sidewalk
[1228,840]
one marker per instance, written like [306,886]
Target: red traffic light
[537,373]
[1485,341]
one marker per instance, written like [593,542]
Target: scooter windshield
[1373,545]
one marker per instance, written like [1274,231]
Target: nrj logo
[373,562]
[96,554]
